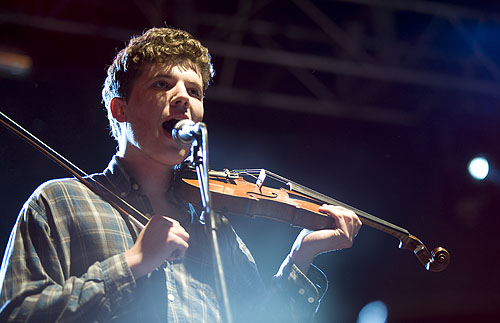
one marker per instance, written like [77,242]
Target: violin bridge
[260,179]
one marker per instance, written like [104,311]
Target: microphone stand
[213,221]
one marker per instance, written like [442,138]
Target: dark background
[379,105]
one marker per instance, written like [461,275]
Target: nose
[180,98]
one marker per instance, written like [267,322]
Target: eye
[195,92]
[160,84]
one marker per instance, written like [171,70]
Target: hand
[163,238]
[311,243]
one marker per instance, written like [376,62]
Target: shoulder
[59,189]
[68,204]
[66,195]
[58,186]
[52,202]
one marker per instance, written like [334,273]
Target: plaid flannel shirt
[65,262]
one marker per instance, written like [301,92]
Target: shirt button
[135,187]
[171,297]
[123,194]
[310,300]
[301,291]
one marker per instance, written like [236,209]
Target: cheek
[149,108]
[197,112]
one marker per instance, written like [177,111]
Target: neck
[153,180]
[153,176]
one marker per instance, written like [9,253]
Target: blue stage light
[479,168]
[373,312]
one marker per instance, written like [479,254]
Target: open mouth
[169,125]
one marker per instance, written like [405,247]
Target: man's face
[160,94]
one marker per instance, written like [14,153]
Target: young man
[72,257]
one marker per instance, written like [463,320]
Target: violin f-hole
[273,195]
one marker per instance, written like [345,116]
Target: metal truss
[380,60]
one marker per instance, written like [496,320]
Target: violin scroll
[436,260]
[441,259]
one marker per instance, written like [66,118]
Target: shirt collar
[122,182]
[125,186]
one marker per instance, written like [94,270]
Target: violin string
[326,199]
[329,200]
[274,176]
[292,184]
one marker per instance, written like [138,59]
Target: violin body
[297,206]
[239,197]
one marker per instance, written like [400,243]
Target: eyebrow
[169,76]
[189,81]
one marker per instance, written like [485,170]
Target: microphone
[185,131]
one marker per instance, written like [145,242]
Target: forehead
[182,70]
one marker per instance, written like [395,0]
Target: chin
[173,158]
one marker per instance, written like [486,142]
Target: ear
[117,107]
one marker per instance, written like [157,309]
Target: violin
[296,205]
[231,193]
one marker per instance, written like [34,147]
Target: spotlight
[373,312]
[13,64]
[479,168]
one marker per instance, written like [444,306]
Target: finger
[332,209]
[325,208]
[161,221]
[338,213]
[172,221]
[175,227]
[179,250]
[180,232]
[347,221]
